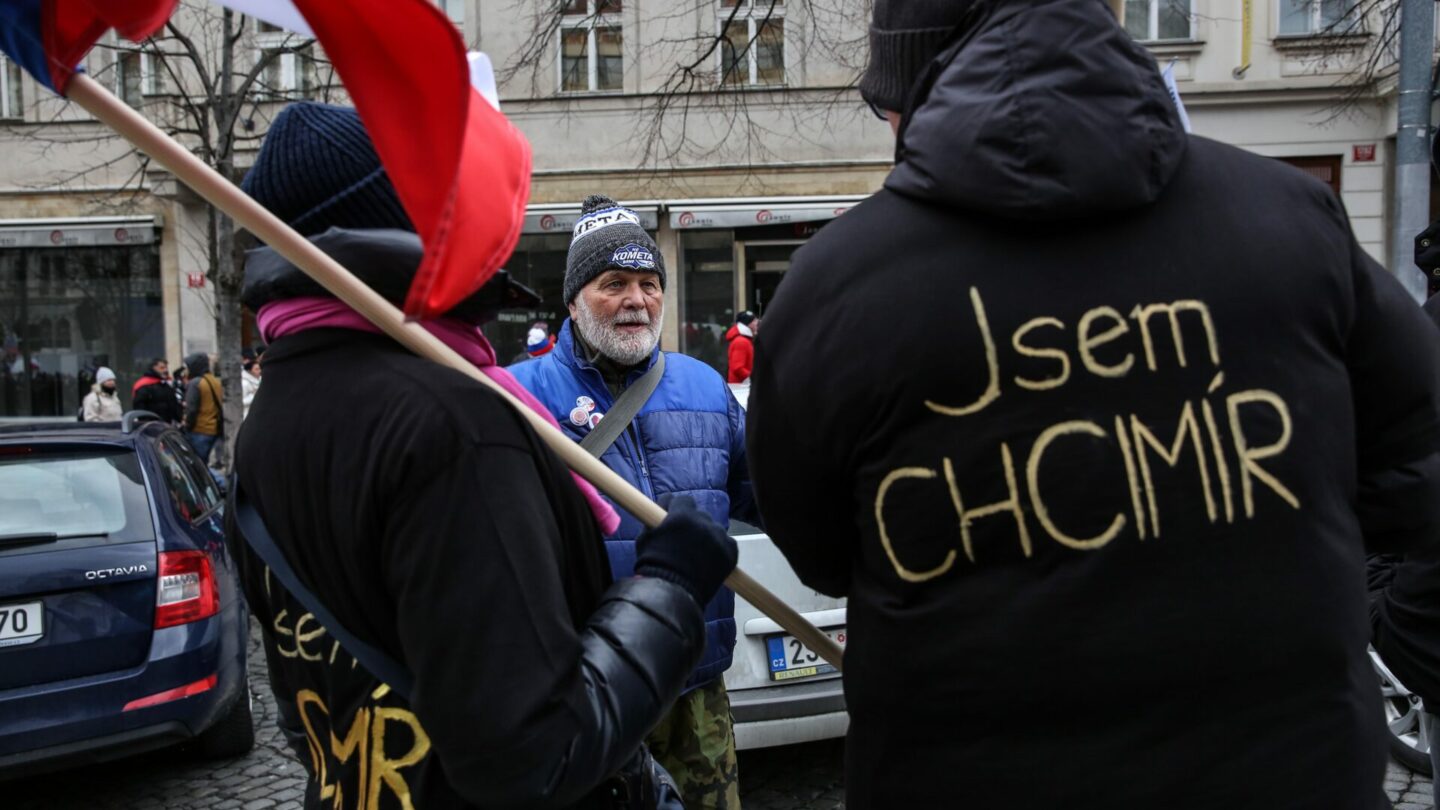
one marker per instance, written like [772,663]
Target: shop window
[1325,168]
[1158,20]
[752,42]
[591,47]
[707,294]
[100,306]
[11,105]
[1312,17]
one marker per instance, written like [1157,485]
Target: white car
[780,691]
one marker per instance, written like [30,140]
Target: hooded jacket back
[1103,543]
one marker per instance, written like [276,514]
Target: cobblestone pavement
[795,777]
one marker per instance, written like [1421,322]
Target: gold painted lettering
[1187,427]
[281,630]
[386,770]
[992,362]
[1032,477]
[1142,315]
[303,700]
[923,473]
[1012,505]
[301,637]
[1130,476]
[1029,351]
[1220,465]
[1249,456]
[1089,342]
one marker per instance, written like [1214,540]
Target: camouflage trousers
[695,742]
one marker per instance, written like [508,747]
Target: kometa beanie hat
[317,168]
[905,35]
[607,235]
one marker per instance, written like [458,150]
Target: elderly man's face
[620,313]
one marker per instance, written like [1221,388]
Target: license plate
[21,624]
[791,659]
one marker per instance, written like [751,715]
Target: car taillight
[187,589]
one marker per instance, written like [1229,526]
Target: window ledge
[1312,42]
[588,93]
[1174,47]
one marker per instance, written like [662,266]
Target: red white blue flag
[462,170]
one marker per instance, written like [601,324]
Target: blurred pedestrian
[249,383]
[204,406]
[741,337]
[102,404]
[155,392]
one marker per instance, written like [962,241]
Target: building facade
[732,127]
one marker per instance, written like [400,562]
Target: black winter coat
[159,398]
[1102,536]
[433,522]
[1405,609]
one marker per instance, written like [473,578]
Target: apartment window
[591,47]
[289,71]
[129,77]
[1310,17]
[10,98]
[1158,20]
[752,42]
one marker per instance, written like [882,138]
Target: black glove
[688,549]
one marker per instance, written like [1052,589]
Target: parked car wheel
[1409,732]
[234,734]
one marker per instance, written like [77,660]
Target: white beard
[627,350]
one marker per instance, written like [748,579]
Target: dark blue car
[122,623]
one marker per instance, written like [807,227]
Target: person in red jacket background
[742,346]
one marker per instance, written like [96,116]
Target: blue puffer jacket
[689,439]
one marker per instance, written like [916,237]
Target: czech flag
[462,170]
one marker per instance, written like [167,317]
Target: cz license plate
[791,659]
[21,624]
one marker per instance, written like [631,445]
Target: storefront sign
[108,232]
[744,217]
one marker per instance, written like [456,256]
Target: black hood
[1039,110]
[385,260]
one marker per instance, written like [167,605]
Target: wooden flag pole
[226,196]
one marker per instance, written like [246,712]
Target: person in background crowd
[204,406]
[538,342]
[437,527]
[155,393]
[180,382]
[741,337]
[102,404]
[1164,404]
[249,382]
[687,437]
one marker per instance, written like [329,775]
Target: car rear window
[73,493]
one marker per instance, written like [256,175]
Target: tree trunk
[228,276]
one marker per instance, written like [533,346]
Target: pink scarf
[280,318]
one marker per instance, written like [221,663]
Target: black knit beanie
[607,235]
[904,36]
[317,168]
